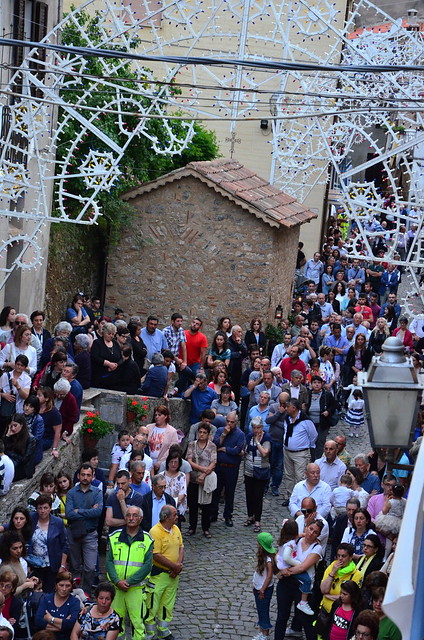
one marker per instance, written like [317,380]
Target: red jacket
[69,412]
[407,341]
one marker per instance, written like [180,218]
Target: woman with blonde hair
[379,335]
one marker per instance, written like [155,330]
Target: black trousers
[193,505]
[227,477]
[288,593]
[255,490]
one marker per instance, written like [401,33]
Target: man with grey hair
[138,483]
[371,483]
[168,557]
[239,352]
[201,396]
[156,379]
[128,565]
[153,501]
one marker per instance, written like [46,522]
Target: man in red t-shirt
[291,362]
[362,307]
[196,345]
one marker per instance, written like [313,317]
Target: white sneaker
[304,606]
[260,636]
[350,434]
[356,435]
[292,632]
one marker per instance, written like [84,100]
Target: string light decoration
[319,116]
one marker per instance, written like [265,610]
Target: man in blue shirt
[337,342]
[84,506]
[120,500]
[261,409]
[153,337]
[230,442]
[371,483]
[201,397]
[156,379]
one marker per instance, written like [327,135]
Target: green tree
[140,163]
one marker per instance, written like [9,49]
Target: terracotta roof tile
[382,28]
[242,185]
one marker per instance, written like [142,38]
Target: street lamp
[392,395]
[392,392]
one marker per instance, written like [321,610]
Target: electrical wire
[209,61]
[185,85]
[219,116]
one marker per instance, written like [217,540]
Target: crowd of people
[262,408]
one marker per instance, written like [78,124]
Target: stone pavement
[215,600]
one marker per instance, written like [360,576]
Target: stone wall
[75,263]
[198,253]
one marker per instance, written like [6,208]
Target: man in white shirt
[138,444]
[417,328]
[313,487]
[309,513]
[280,350]
[331,467]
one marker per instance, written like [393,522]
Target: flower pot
[131,416]
[90,442]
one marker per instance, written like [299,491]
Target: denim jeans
[262,607]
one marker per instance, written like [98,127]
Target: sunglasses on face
[305,511]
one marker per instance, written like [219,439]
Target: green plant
[274,334]
[94,426]
[139,408]
[140,163]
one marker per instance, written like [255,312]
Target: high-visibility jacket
[130,557]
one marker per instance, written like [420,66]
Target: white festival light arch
[320,115]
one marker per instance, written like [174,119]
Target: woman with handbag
[201,454]
[256,472]
[14,390]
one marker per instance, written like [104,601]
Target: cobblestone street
[215,599]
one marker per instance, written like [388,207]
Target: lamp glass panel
[391,412]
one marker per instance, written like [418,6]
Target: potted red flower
[94,427]
[137,410]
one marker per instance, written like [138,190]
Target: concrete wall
[196,252]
